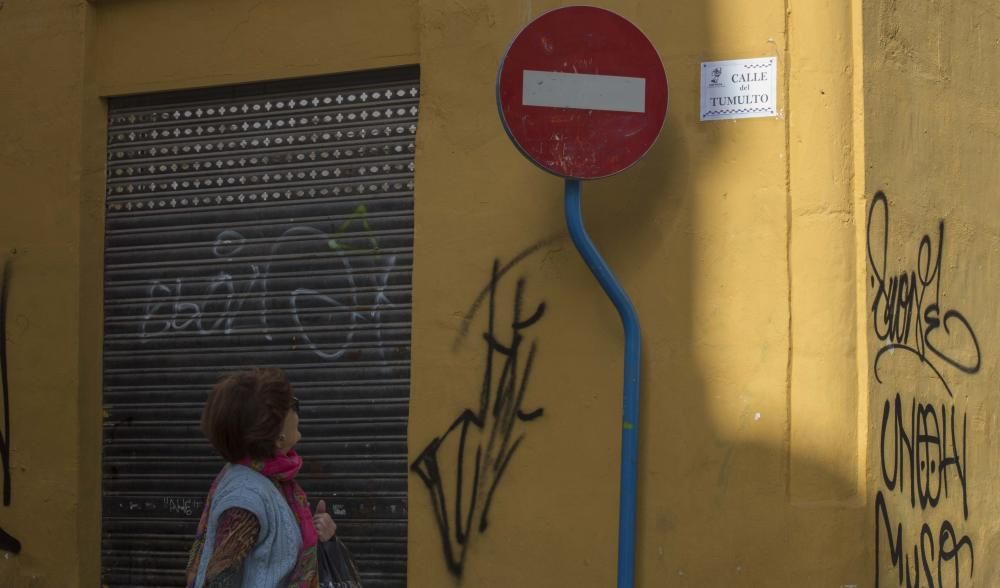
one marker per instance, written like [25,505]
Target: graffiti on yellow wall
[7,542]
[923,436]
[477,448]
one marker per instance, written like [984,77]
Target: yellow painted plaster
[740,243]
[702,234]
[932,141]
[41,84]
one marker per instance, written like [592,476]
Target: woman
[256,529]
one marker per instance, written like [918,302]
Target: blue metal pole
[630,413]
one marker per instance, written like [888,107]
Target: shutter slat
[267,224]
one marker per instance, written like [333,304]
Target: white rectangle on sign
[739,88]
[583,91]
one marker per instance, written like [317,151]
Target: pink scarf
[282,469]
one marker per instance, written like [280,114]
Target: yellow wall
[734,490]
[43,171]
[932,138]
[742,244]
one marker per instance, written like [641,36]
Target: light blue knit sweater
[277,549]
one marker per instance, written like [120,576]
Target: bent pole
[630,412]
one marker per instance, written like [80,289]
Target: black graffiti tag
[923,452]
[923,444]
[7,542]
[931,556]
[485,435]
[906,307]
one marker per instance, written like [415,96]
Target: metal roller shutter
[267,224]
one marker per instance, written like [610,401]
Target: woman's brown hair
[244,413]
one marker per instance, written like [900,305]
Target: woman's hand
[325,527]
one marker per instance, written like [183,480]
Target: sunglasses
[295,404]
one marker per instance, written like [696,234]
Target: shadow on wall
[714,504]
[713,510]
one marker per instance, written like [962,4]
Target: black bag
[336,565]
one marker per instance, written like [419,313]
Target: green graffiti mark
[359,216]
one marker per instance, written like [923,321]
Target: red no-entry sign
[582,92]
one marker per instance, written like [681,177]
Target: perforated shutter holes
[258,225]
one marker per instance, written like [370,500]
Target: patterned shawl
[280,469]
